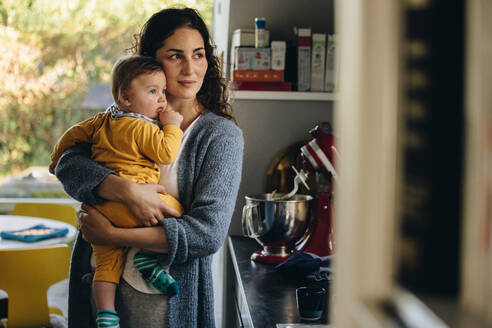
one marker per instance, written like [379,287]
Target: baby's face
[147,94]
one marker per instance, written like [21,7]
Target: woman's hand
[95,228]
[145,204]
[142,200]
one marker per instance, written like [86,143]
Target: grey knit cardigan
[208,179]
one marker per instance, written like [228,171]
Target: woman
[206,180]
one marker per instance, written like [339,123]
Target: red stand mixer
[288,223]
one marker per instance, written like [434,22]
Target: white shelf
[283,95]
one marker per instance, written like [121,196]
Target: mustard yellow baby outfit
[133,147]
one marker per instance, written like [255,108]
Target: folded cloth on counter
[34,233]
[306,266]
[323,274]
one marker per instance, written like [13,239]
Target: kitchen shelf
[283,95]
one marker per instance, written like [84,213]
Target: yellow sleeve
[81,132]
[161,146]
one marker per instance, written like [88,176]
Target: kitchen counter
[257,295]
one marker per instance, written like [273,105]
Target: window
[53,52]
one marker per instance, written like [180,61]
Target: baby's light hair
[126,69]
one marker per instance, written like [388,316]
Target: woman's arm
[96,229]
[91,183]
[80,175]
[79,133]
[209,201]
[142,200]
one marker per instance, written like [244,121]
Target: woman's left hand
[95,227]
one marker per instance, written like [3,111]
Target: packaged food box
[252,59]
[318,62]
[278,55]
[243,38]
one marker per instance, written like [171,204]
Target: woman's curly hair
[213,94]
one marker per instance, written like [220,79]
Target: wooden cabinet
[368,124]
[370,107]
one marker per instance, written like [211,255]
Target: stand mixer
[288,223]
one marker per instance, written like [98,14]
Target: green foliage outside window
[50,52]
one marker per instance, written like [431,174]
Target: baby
[128,139]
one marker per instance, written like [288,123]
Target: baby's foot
[154,273]
[107,319]
[161,280]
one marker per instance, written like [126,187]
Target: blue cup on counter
[310,302]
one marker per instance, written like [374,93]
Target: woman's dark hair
[213,94]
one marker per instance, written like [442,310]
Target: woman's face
[183,58]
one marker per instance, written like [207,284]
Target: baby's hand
[170,117]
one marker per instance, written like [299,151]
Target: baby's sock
[107,319]
[145,262]
[161,280]
[152,271]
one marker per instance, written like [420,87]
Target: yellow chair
[59,212]
[26,274]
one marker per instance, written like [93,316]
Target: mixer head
[320,152]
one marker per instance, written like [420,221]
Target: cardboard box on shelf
[243,38]
[318,62]
[278,55]
[303,38]
[331,67]
[262,86]
[257,76]
[252,59]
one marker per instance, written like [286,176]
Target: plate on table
[34,233]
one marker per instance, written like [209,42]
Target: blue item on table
[306,266]
[34,233]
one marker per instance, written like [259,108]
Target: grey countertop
[270,296]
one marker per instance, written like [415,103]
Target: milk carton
[331,71]
[278,55]
[318,61]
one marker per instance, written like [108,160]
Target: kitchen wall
[268,127]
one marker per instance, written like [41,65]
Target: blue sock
[152,271]
[107,319]
[161,280]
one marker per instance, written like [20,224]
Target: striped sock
[152,271]
[107,319]
[145,262]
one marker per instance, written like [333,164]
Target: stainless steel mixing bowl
[276,224]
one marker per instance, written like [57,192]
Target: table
[16,222]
